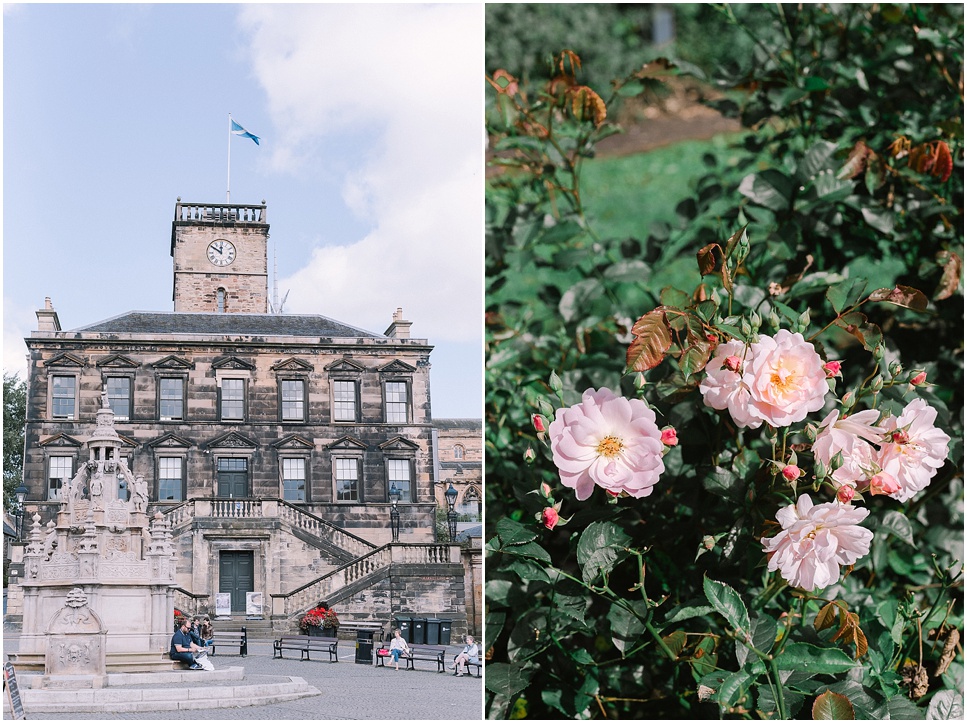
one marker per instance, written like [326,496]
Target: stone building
[272,444]
[459,449]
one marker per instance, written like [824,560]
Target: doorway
[232,477]
[236,575]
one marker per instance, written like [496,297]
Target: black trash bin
[433,631]
[364,647]
[445,626]
[419,631]
[404,623]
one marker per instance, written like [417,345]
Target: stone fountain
[98,584]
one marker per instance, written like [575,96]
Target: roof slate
[156,322]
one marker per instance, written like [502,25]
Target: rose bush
[777,567]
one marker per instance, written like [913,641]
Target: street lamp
[394,514]
[451,495]
[21,493]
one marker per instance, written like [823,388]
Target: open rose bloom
[816,540]
[913,449]
[608,441]
[853,437]
[780,381]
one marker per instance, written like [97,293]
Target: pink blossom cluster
[897,456]
[777,380]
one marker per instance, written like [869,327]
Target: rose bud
[538,421]
[545,489]
[919,379]
[833,369]
[733,363]
[550,517]
[791,472]
[529,455]
[669,437]
[845,494]
[883,484]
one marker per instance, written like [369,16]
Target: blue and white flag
[239,131]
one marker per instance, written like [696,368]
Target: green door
[236,575]
[232,477]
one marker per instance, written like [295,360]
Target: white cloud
[18,322]
[411,76]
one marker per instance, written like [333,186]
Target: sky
[370,119]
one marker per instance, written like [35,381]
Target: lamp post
[394,514]
[21,493]
[451,495]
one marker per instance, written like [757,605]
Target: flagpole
[228,183]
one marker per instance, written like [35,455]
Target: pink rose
[833,369]
[786,379]
[550,517]
[669,437]
[815,541]
[845,494]
[883,484]
[609,441]
[723,386]
[853,437]
[914,449]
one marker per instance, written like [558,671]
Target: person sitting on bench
[398,647]
[468,655]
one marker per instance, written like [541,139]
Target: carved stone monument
[101,568]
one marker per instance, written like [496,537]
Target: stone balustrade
[220,213]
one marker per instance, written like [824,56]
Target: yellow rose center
[610,447]
[783,380]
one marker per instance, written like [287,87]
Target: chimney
[399,329]
[47,318]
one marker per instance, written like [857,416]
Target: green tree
[14,419]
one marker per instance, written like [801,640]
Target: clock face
[221,252]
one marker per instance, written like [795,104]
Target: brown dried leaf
[504,82]
[706,259]
[652,341]
[856,162]
[950,281]
[905,296]
[826,617]
[949,652]
[587,105]
[943,162]
[657,68]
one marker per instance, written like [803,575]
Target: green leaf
[601,545]
[582,656]
[627,626]
[687,612]
[899,707]
[728,604]
[817,159]
[946,705]
[845,293]
[506,679]
[898,524]
[764,630]
[724,483]
[729,691]
[833,706]
[769,188]
[811,659]
[527,570]
[529,549]
[514,533]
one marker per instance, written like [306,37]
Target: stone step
[196,690]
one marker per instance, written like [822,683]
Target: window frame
[408,461]
[305,477]
[360,487]
[129,378]
[222,400]
[407,402]
[184,396]
[183,469]
[356,401]
[51,396]
[71,464]
[304,401]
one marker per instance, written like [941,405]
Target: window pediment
[292,365]
[397,367]
[60,440]
[169,441]
[345,366]
[232,439]
[232,362]
[347,443]
[293,442]
[173,363]
[67,360]
[398,444]
[117,361]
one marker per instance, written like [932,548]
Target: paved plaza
[347,691]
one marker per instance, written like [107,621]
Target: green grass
[623,196]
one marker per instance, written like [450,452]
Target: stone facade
[459,446]
[269,443]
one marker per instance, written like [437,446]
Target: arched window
[471,504]
[458,451]
[221,301]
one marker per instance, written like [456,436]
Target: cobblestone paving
[348,691]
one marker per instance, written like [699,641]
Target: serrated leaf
[582,656]
[601,545]
[731,687]
[529,549]
[688,612]
[905,296]
[728,604]
[674,298]
[771,189]
[833,706]
[506,679]
[694,358]
[810,659]
[626,626]
[652,340]
[675,641]
[845,293]
[707,263]
[946,705]
[898,524]
[826,617]
[514,533]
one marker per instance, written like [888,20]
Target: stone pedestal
[76,645]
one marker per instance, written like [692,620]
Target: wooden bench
[234,637]
[306,644]
[417,652]
[478,666]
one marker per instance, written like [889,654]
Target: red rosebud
[919,379]
[669,437]
[833,369]
[733,363]
[845,494]
[791,472]
[550,517]
[538,421]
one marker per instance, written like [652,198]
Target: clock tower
[220,256]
